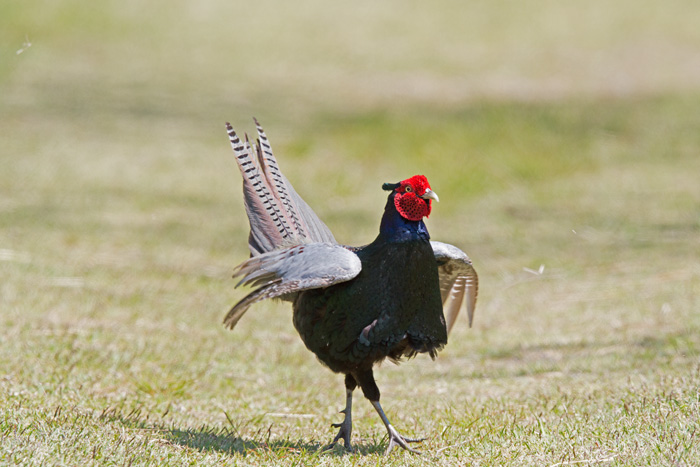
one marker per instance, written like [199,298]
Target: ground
[562,140]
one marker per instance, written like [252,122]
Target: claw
[344,434]
[345,427]
[395,439]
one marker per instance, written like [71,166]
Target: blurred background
[563,138]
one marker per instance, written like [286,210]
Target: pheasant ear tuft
[390,186]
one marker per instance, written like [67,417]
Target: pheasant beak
[430,194]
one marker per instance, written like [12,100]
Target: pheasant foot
[345,427]
[395,439]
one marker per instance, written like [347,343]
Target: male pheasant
[352,306]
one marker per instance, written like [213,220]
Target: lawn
[562,139]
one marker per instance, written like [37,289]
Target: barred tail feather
[268,225]
[301,215]
[276,180]
[278,216]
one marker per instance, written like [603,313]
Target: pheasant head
[412,197]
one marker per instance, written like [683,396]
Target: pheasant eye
[408,189]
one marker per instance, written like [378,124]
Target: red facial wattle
[409,199]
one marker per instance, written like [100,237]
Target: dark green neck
[395,228]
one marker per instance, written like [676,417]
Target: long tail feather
[301,216]
[268,225]
[278,216]
[276,180]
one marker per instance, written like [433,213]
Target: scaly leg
[395,439]
[345,431]
[369,387]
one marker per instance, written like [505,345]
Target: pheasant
[352,306]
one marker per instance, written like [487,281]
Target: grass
[573,147]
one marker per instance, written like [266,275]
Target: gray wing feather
[458,280]
[290,270]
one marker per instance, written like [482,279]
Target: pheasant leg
[345,426]
[395,439]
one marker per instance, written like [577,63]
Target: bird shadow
[206,439]
[229,440]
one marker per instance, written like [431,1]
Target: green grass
[558,135]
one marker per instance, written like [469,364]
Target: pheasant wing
[290,270]
[458,280]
